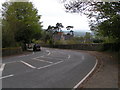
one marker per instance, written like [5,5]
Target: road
[49,68]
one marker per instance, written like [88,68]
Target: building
[62,36]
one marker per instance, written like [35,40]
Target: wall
[93,47]
[11,51]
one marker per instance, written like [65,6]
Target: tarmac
[106,73]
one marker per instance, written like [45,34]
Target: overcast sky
[53,11]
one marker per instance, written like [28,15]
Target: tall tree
[106,16]
[22,20]
[71,31]
[59,26]
[69,27]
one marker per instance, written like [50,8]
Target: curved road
[50,68]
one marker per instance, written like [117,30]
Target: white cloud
[53,11]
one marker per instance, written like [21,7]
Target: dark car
[36,47]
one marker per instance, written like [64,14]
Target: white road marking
[50,65]
[48,52]
[2,67]
[86,76]
[28,64]
[42,60]
[69,56]
[6,76]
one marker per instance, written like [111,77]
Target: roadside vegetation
[104,17]
[20,24]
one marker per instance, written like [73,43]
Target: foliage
[52,30]
[105,16]
[88,35]
[59,42]
[20,22]
[69,28]
[59,26]
[110,28]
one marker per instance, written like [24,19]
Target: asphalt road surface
[49,68]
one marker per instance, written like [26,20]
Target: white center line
[28,64]
[6,76]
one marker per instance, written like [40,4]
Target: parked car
[36,47]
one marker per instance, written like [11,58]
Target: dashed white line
[28,64]
[6,76]
[50,65]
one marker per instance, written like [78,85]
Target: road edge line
[76,86]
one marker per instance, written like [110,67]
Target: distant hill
[79,33]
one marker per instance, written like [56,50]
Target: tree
[22,21]
[69,27]
[110,28]
[59,26]
[87,35]
[105,14]
[71,31]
